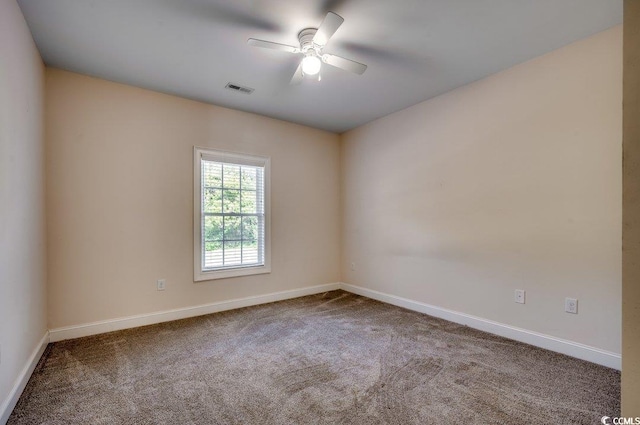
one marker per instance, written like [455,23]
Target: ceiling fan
[312,41]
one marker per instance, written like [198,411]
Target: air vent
[235,87]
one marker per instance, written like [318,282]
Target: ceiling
[414,49]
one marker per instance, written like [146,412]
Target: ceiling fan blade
[272,45]
[297,76]
[327,28]
[346,64]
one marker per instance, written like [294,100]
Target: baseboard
[574,349]
[12,399]
[77,331]
[570,348]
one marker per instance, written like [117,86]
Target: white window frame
[200,153]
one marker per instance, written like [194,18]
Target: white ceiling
[415,49]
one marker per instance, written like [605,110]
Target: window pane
[231,175]
[213,229]
[249,252]
[232,228]
[231,201]
[250,228]
[212,255]
[249,178]
[211,174]
[248,203]
[232,253]
[212,201]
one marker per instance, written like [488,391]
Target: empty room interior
[355,212]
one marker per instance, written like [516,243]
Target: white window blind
[232,216]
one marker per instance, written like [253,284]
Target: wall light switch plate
[571,305]
[161,284]
[519,296]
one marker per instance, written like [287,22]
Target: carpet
[333,358]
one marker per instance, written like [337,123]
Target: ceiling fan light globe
[311,65]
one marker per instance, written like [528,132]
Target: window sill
[235,272]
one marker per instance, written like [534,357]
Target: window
[231,222]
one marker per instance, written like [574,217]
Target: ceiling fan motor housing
[306,39]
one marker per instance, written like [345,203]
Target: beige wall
[22,244]
[119,192]
[631,213]
[510,182]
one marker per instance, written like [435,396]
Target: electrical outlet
[519,296]
[571,305]
[161,284]
[353,266]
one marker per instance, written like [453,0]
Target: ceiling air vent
[235,87]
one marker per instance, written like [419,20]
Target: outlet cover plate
[571,305]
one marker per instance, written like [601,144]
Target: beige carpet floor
[334,358]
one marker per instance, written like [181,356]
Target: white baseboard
[570,348]
[12,399]
[77,331]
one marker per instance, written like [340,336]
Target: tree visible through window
[232,211]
